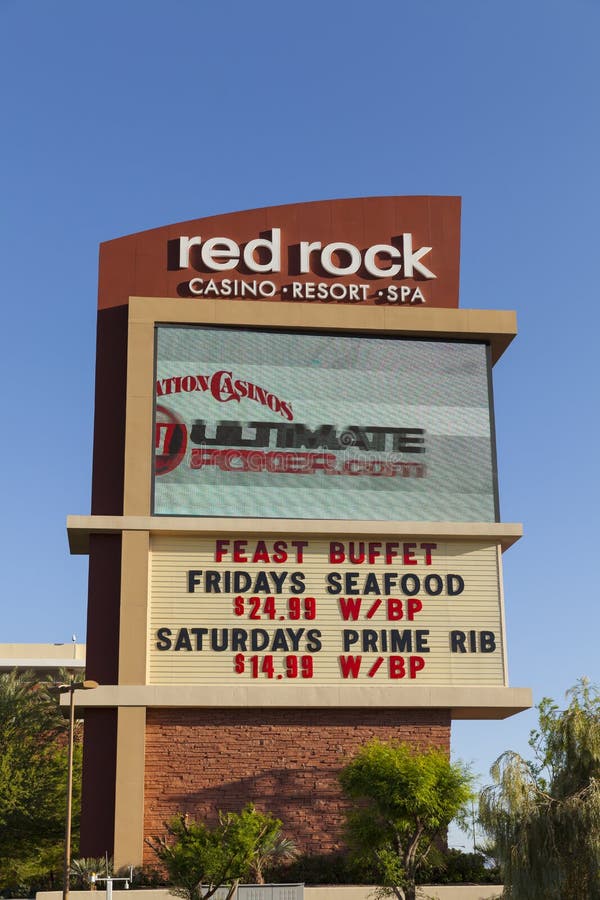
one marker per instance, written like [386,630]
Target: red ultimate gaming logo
[170,440]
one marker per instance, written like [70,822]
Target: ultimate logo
[234,446]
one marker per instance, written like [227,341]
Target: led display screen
[319,426]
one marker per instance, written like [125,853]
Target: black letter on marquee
[487,641]
[457,642]
[456,585]
[193,579]
[164,642]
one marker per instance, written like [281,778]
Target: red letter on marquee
[350,666]
[221,549]
[336,552]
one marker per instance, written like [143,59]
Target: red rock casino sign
[295,542]
[376,250]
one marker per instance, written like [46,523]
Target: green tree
[33,781]
[543,815]
[274,850]
[86,869]
[199,859]
[405,800]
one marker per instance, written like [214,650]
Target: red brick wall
[284,761]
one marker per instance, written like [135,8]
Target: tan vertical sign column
[131,722]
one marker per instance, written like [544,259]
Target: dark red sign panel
[399,251]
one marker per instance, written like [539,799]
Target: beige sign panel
[241,610]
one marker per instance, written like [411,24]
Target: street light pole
[70,689]
[67,857]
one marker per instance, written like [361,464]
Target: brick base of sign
[286,762]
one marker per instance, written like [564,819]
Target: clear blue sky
[122,116]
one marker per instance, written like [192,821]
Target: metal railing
[263,892]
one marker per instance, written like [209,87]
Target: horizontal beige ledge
[79,528]
[37,663]
[496,326]
[464,702]
[328,892]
